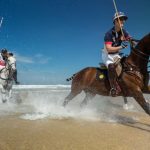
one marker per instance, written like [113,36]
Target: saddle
[102,73]
[103,69]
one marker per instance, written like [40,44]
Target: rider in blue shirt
[114,42]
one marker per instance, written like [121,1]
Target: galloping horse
[132,80]
[6,79]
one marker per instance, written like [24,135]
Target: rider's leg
[112,78]
[15,77]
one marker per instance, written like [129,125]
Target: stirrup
[113,92]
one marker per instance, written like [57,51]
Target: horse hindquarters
[80,81]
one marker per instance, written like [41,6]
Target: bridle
[137,51]
[132,68]
[5,69]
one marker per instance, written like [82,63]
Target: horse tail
[72,77]
[68,79]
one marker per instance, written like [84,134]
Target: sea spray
[39,102]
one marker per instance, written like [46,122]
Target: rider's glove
[124,45]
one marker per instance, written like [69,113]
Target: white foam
[40,86]
[59,112]
[40,104]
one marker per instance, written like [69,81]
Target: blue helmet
[119,15]
[4,51]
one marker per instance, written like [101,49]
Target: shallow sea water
[39,102]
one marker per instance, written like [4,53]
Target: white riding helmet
[119,15]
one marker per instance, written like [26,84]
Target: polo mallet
[1,22]
[118,18]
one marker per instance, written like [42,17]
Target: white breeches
[109,58]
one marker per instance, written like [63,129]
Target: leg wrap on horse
[112,78]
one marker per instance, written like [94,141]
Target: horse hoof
[125,106]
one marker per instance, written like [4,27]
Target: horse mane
[144,43]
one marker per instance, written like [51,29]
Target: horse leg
[68,98]
[9,89]
[125,106]
[71,95]
[141,100]
[6,94]
[89,96]
[3,91]
[9,93]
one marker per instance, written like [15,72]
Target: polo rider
[10,57]
[114,41]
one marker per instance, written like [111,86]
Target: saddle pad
[101,74]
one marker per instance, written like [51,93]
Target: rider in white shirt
[11,58]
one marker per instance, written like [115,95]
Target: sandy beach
[39,122]
[71,134]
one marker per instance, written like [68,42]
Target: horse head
[144,45]
[11,65]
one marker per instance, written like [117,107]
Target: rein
[132,69]
[140,54]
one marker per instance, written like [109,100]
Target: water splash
[40,103]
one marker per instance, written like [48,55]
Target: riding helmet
[119,15]
[4,51]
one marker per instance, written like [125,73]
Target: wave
[58,86]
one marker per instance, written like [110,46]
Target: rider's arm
[111,49]
[108,40]
[129,38]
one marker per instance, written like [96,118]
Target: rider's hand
[124,45]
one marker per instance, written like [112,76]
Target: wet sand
[71,134]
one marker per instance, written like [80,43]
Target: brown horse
[133,80]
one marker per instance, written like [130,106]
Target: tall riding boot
[112,79]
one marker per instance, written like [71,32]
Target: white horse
[6,79]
